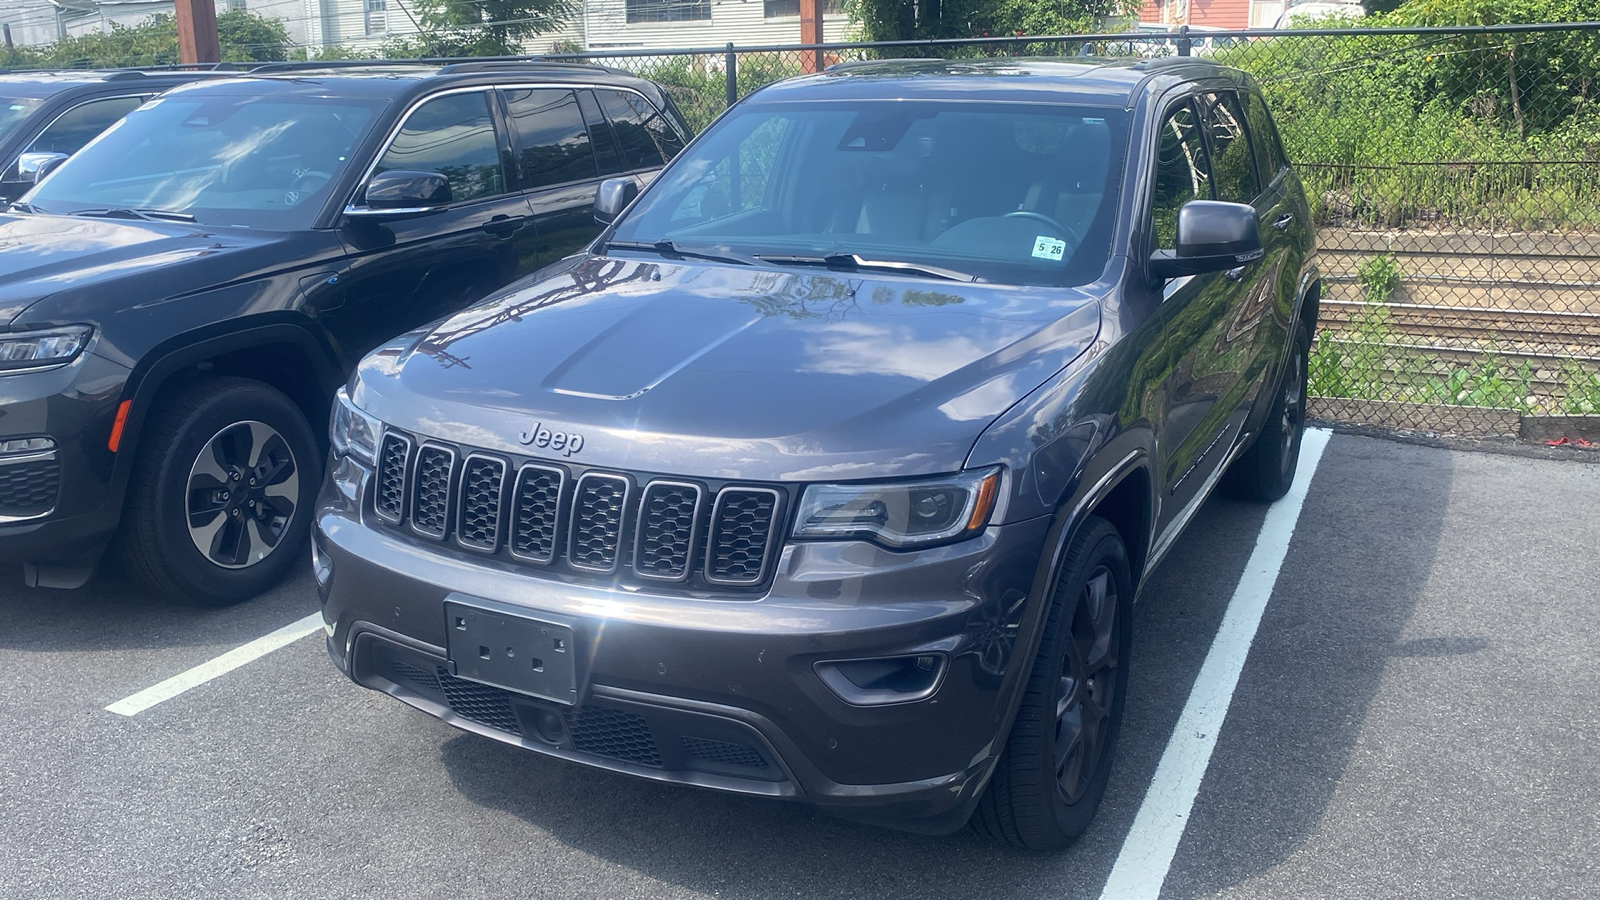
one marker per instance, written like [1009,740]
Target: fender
[157,366]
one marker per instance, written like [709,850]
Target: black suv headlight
[353,432]
[46,348]
[901,514]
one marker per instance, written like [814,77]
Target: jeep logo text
[567,442]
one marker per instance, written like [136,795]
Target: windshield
[1008,193]
[225,160]
[14,111]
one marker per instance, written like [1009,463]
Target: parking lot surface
[1417,717]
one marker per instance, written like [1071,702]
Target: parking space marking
[1147,851]
[222,665]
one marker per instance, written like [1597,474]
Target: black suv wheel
[220,503]
[1057,761]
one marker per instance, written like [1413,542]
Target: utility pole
[9,45]
[811,33]
[197,31]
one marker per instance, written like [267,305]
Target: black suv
[831,472]
[46,117]
[181,298]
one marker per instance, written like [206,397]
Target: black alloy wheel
[1088,686]
[243,490]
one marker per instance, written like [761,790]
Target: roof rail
[305,65]
[488,64]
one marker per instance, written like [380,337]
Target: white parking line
[1147,852]
[222,665]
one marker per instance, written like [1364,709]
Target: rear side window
[454,136]
[644,134]
[553,136]
[600,137]
[1183,173]
[82,124]
[1233,165]
[1264,135]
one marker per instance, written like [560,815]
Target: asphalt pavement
[1417,717]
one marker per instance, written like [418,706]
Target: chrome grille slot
[482,491]
[535,513]
[741,535]
[664,545]
[389,497]
[430,493]
[597,509]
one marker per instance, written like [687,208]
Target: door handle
[1235,275]
[502,226]
[1283,221]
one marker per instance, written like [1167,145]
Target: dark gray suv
[831,471]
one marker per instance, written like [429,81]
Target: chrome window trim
[461,501]
[622,520]
[516,491]
[405,476]
[772,534]
[694,529]
[449,493]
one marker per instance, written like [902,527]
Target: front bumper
[720,693]
[59,504]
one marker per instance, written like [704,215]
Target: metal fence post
[731,71]
[1183,40]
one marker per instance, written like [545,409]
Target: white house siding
[605,25]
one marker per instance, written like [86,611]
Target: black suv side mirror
[613,197]
[402,192]
[1212,236]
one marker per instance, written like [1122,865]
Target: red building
[1227,14]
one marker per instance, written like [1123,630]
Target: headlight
[353,432]
[42,349]
[901,514]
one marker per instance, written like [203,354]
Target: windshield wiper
[124,212]
[672,251]
[849,262]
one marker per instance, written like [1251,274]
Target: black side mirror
[1212,236]
[613,197]
[402,192]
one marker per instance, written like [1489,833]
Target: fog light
[883,680]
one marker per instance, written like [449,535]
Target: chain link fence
[1455,178]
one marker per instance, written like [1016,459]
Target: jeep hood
[731,371]
[44,255]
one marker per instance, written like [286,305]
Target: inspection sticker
[1045,247]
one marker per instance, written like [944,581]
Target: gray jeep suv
[831,470]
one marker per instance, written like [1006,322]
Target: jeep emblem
[568,442]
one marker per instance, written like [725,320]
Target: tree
[244,36]
[479,27]
[898,20]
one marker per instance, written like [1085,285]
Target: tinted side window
[82,124]
[646,137]
[1269,152]
[454,136]
[555,141]
[1183,173]
[1231,161]
[600,137]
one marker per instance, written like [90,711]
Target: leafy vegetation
[244,37]
[899,20]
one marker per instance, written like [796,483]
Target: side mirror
[33,167]
[613,197]
[402,192]
[1212,236]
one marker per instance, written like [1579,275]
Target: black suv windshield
[14,111]
[225,160]
[1011,193]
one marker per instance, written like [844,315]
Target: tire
[1265,471]
[1043,795]
[206,446]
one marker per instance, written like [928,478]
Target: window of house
[668,10]
[377,16]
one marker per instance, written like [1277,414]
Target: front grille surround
[599,506]
[30,485]
[480,529]
[656,562]
[431,507]
[580,522]
[392,477]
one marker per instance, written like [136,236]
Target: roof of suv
[43,83]
[389,79]
[1083,79]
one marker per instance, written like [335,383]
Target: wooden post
[197,31]
[811,33]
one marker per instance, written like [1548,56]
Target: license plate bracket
[512,648]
